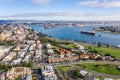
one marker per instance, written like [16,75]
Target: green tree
[76,74]
[25,64]
[30,64]
[99,44]
[108,45]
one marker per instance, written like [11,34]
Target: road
[81,62]
[45,63]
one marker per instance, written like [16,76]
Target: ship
[88,32]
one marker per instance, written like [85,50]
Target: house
[107,58]
[84,56]
[108,79]
[9,57]
[118,67]
[118,46]
[4,50]
[94,56]
[18,61]
[48,73]
[36,58]
[83,72]
[27,57]
[38,52]
[30,42]
[68,53]
[81,47]
[32,47]
[24,48]
[17,48]
[39,46]
[28,77]
[49,51]
[38,42]
[21,54]
[55,59]
[95,78]
[64,53]
[48,45]
[16,71]
[2,75]
[4,35]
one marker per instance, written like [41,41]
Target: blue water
[73,34]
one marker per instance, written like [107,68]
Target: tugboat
[88,32]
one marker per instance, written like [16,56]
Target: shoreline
[78,38]
[78,42]
[106,31]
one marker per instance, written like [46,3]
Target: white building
[48,73]
[21,54]
[4,50]
[108,79]
[17,61]
[49,51]
[48,45]
[9,56]
[83,72]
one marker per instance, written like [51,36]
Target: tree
[108,45]
[4,67]
[30,64]
[79,53]
[25,64]
[107,54]
[99,44]
[76,74]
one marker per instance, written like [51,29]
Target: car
[39,76]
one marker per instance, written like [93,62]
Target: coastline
[106,31]
[66,33]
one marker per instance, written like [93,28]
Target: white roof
[83,72]
[50,51]
[96,79]
[118,45]
[81,47]
[29,77]
[108,79]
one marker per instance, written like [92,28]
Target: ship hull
[88,33]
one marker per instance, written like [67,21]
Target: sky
[60,10]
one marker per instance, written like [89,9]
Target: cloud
[59,15]
[100,3]
[51,14]
[6,0]
[41,1]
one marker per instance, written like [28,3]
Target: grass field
[112,51]
[72,46]
[102,68]
[63,70]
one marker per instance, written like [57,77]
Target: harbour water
[73,34]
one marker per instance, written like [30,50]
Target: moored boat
[88,32]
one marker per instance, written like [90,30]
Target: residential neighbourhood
[59,39]
[25,56]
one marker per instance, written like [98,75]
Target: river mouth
[73,34]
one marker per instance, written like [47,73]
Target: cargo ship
[88,32]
